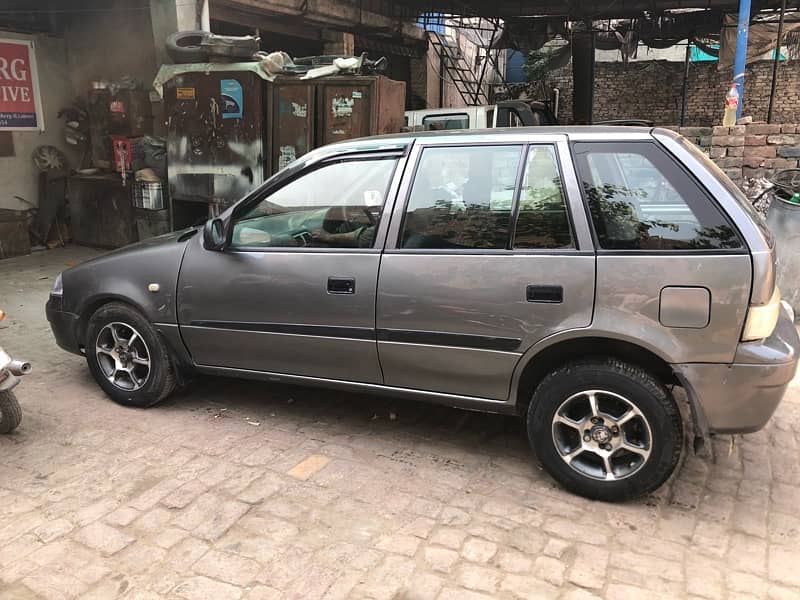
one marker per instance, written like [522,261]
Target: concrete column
[338,42]
[169,16]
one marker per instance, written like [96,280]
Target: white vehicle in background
[508,113]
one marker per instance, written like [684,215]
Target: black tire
[160,379]
[10,412]
[638,475]
[184,47]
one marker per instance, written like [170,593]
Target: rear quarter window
[640,199]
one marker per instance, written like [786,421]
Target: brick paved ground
[241,490]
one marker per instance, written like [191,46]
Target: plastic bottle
[795,198]
[731,104]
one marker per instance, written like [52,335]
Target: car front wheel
[606,430]
[127,357]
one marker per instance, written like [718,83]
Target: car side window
[338,205]
[639,199]
[461,198]
[542,219]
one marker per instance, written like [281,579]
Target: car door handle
[341,285]
[545,294]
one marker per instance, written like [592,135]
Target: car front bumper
[742,396]
[64,325]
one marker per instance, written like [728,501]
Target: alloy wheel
[602,435]
[123,356]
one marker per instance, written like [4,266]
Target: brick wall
[652,90]
[748,151]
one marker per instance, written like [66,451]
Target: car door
[293,292]
[486,256]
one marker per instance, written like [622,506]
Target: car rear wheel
[606,430]
[127,357]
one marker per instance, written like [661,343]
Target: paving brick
[183,495]
[440,559]
[210,516]
[549,569]
[478,578]
[263,592]
[122,517]
[203,588]
[423,586]
[398,544]
[308,467]
[527,586]
[449,537]
[227,567]
[479,551]
[53,530]
[783,565]
[462,594]
[103,538]
[185,553]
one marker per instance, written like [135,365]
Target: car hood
[144,275]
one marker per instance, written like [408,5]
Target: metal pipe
[778,43]
[592,71]
[740,58]
[19,367]
[556,101]
[205,17]
[685,80]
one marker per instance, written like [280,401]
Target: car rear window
[438,122]
[731,187]
[639,199]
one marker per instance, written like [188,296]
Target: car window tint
[542,221]
[639,199]
[338,205]
[454,121]
[461,198]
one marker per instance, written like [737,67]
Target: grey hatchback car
[572,276]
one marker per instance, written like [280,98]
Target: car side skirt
[456,401]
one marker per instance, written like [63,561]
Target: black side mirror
[214,234]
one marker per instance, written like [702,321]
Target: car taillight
[761,320]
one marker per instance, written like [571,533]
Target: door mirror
[214,234]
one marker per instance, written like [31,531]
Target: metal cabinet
[229,130]
[215,136]
[307,114]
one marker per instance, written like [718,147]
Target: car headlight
[58,287]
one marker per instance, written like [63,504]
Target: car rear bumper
[742,396]
[64,325]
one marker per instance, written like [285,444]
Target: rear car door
[486,255]
[294,292]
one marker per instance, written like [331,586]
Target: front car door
[487,255]
[294,291]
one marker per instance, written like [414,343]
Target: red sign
[19,98]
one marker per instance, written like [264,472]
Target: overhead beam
[574,9]
[255,19]
[325,13]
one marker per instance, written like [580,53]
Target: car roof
[513,134]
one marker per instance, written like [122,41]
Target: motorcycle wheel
[10,412]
